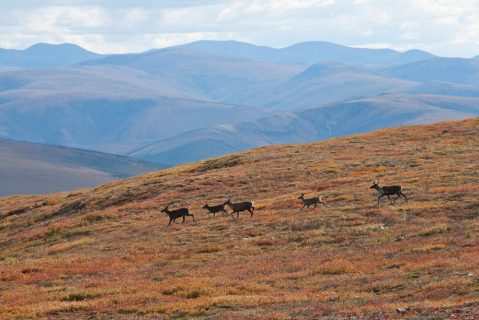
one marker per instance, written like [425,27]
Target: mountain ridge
[311,52]
[44,55]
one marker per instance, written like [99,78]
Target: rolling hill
[456,70]
[108,253]
[324,83]
[44,55]
[443,89]
[310,53]
[314,124]
[105,108]
[218,77]
[37,168]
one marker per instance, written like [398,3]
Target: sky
[443,27]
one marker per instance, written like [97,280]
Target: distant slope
[311,52]
[43,55]
[106,108]
[90,80]
[217,77]
[325,83]
[336,119]
[442,88]
[457,70]
[37,168]
[237,80]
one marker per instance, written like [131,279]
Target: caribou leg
[398,196]
[380,197]
[389,199]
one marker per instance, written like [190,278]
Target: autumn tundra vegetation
[107,252]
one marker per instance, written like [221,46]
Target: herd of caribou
[238,207]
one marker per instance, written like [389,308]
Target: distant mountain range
[105,108]
[43,55]
[336,119]
[456,70]
[310,53]
[208,98]
[38,168]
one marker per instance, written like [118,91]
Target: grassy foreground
[107,252]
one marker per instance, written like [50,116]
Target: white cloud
[124,26]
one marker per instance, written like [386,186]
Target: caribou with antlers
[388,191]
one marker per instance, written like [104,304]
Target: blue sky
[444,27]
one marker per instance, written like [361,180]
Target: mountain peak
[43,47]
[419,54]
[45,55]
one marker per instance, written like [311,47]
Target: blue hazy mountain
[208,98]
[455,70]
[43,55]
[337,119]
[218,77]
[311,52]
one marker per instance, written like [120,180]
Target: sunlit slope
[108,252]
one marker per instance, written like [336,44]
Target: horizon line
[363,46]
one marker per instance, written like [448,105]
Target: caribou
[240,206]
[178,213]
[311,201]
[215,209]
[388,191]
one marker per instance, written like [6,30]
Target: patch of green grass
[193,294]
[413,275]
[94,218]
[169,291]
[51,233]
[435,230]
[77,296]
[218,163]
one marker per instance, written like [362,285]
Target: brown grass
[108,252]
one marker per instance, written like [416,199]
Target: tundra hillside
[108,252]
